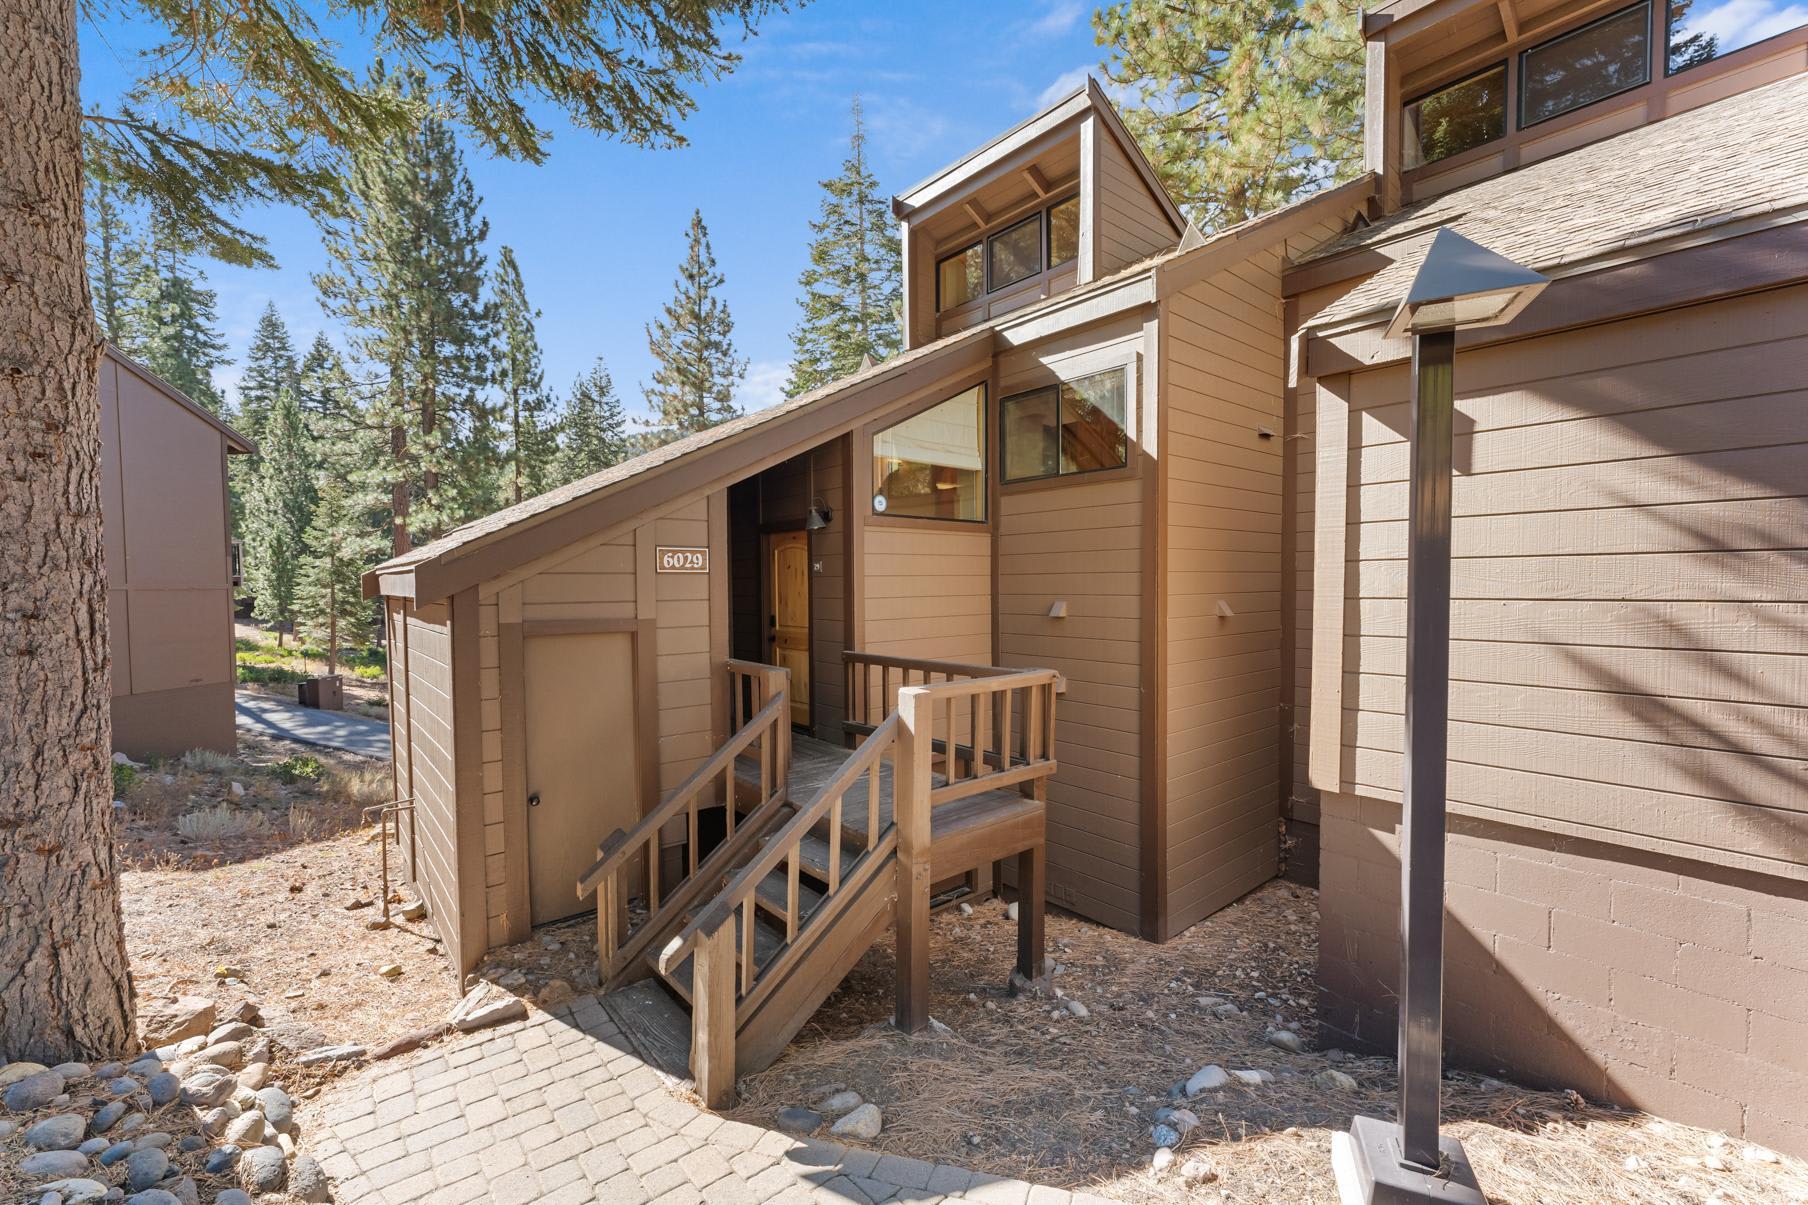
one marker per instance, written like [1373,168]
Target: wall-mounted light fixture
[819,516]
[1058,610]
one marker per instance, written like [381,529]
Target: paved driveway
[259,712]
[557,1109]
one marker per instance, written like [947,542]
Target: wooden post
[608,931]
[910,812]
[1031,871]
[713,1016]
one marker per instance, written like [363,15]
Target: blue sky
[599,229]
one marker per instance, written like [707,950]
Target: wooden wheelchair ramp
[822,850]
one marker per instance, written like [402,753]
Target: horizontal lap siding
[1630,581]
[1131,223]
[686,674]
[928,592]
[1222,384]
[433,764]
[495,874]
[1081,543]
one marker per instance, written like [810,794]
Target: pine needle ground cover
[1022,1087]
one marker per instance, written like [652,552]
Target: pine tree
[1240,107]
[408,284]
[326,390]
[278,507]
[594,433]
[853,288]
[693,386]
[270,368]
[108,236]
[172,324]
[329,597]
[527,409]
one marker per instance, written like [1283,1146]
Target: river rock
[840,1104]
[1254,1079]
[1206,1079]
[185,1191]
[168,1021]
[1286,1039]
[230,1055]
[307,1181]
[164,1087]
[231,1031]
[94,1146]
[157,1139]
[1165,1135]
[145,1168]
[486,1005]
[277,1108]
[798,1121]
[330,1054]
[32,1091]
[129,1124]
[71,1192]
[863,1123]
[72,1072]
[64,1132]
[1226,1010]
[1198,1171]
[207,1086]
[53,1165]
[154,1196]
[246,1129]
[214,1121]
[233,1196]
[222,1160]
[1161,1159]
[1340,1081]
[263,1169]
[12,1073]
[116,1152]
[254,1076]
[107,1117]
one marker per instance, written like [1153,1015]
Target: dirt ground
[1022,1087]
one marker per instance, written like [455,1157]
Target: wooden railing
[760,718]
[728,981]
[873,681]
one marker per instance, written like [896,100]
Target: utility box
[326,692]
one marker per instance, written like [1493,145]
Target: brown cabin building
[166,524]
[1158,477]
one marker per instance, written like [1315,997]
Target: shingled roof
[1736,159]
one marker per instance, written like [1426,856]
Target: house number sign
[681,560]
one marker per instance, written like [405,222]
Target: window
[959,278]
[933,465]
[1698,36]
[1585,65]
[1456,118]
[1014,253]
[1064,232]
[1075,427]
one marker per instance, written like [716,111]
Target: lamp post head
[1463,284]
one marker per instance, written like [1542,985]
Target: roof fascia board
[1191,267]
[234,441]
[1126,140]
[1115,297]
[914,202]
[398,583]
[1404,18]
[696,473]
[1663,279]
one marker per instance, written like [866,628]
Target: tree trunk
[65,986]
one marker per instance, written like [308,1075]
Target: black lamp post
[1460,285]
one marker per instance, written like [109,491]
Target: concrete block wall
[1672,985]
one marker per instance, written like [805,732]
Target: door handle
[533,801]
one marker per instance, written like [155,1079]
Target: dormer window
[1014,253]
[1457,117]
[959,278]
[1585,65]
[1064,232]
[1042,242]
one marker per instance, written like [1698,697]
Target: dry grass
[1022,1089]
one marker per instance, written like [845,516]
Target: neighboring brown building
[165,518]
[1628,898]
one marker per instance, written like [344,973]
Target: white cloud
[1066,82]
[764,385]
[1741,22]
[903,129]
[1057,20]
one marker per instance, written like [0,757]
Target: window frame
[1505,66]
[1048,234]
[1124,372]
[959,251]
[1519,65]
[1038,216]
[873,430]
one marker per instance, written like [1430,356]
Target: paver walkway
[558,1109]
[268,714]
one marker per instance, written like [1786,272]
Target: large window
[1456,118]
[1075,427]
[1014,253]
[1064,232]
[1700,31]
[933,465]
[960,277]
[1585,65]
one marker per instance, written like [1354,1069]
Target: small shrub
[209,824]
[206,761]
[299,768]
[269,675]
[123,778]
[368,673]
[361,788]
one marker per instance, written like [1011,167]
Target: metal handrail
[394,808]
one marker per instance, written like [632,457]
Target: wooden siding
[928,590]
[432,766]
[1224,385]
[1129,223]
[1628,589]
[686,675]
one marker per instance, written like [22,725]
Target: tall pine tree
[408,285]
[109,233]
[1240,107]
[270,368]
[325,387]
[278,509]
[172,324]
[693,341]
[594,433]
[527,416]
[329,596]
[853,289]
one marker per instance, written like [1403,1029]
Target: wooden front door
[788,614]
[582,774]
